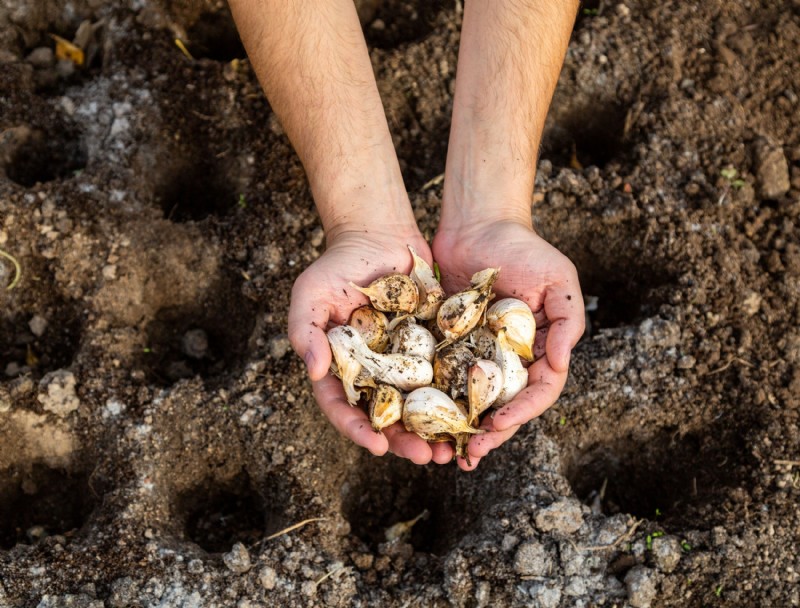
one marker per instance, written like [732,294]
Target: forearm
[508,65]
[313,64]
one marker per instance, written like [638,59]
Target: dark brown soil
[160,217]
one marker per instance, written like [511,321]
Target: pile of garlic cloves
[434,362]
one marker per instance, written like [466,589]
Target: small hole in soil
[41,501]
[33,156]
[585,134]
[617,301]
[193,192]
[209,339]
[218,515]
[386,491]
[22,352]
[390,23]
[214,36]
[677,480]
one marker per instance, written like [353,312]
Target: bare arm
[313,64]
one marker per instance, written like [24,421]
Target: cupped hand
[321,298]
[534,271]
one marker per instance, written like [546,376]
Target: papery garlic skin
[385,407]
[372,325]
[412,339]
[484,384]
[392,293]
[516,318]
[431,293]
[483,343]
[515,376]
[429,413]
[345,365]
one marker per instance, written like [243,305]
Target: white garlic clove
[345,365]
[429,412]
[450,368]
[460,313]
[516,318]
[372,325]
[484,383]
[385,407]
[431,293]
[392,293]
[515,376]
[412,339]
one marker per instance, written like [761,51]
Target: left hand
[534,271]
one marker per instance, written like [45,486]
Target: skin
[313,64]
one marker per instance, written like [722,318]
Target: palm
[537,273]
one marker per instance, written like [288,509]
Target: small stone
[60,397]
[545,595]
[317,236]
[37,325]
[238,559]
[5,399]
[563,516]
[686,362]
[363,561]
[109,272]
[195,343]
[509,542]
[195,566]
[41,57]
[65,68]
[772,170]
[532,559]
[279,346]
[309,588]
[666,553]
[751,303]
[268,578]
[641,586]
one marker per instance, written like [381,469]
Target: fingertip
[467,467]
[442,453]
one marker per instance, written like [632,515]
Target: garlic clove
[460,313]
[516,318]
[392,293]
[482,341]
[450,368]
[385,407]
[412,339]
[484,383]
[345,365]
[431,293]
[372,325]
[429,412]
[515,376]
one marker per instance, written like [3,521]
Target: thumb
[308,318]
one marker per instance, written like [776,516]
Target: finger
[467,466]
[481,445]
[350,421]
[308,318]
[544,387]
[563,305]
[407,445]
[442,453]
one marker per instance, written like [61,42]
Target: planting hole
[682,481]
[193,192]
[31,156]
[209,339]
[584,134]
[218,515]
[214,36]
[41,501]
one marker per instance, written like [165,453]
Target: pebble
[563,516]
[544,595]
[195,343]
[268,578]
[37,325]
[41,57]
[641,586]
[666,553]
[60,397]
[532,559]
[279,346]
[5,399]
[686,362]
[238,559]
[772,170]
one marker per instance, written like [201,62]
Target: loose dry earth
[152,415]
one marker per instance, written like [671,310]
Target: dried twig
[17,269]
[328,574]
[434,182]
[787,463]
[295,527]
[728,363]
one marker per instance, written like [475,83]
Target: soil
[152,415]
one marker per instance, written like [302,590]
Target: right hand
[322,297]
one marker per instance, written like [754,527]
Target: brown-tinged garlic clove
[385,407]
[460,313]
[392,293]
[450,369]
[516,318]
[484,383]
[431,293]
[372,325]
[429,412]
